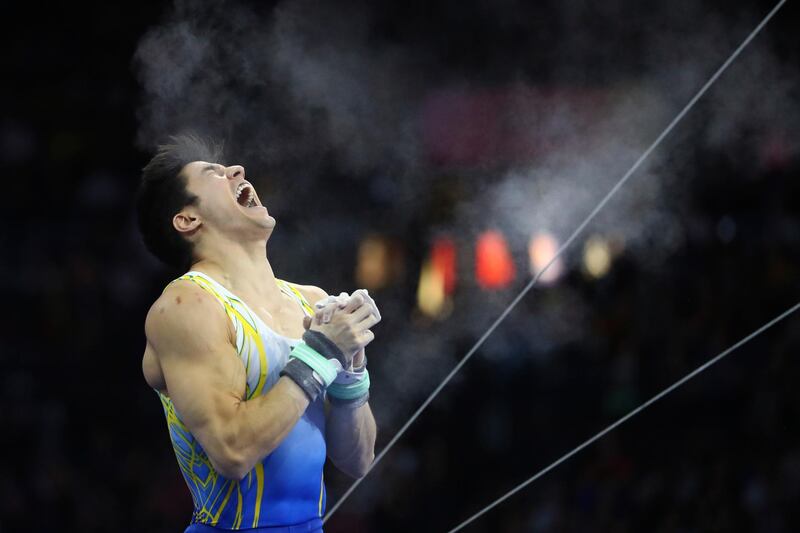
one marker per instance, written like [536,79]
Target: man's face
[226,200]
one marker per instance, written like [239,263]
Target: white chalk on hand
[326,307]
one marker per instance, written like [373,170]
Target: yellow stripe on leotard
[249,326]
[259,492]
[237,521]
[224,503]
[191,457]
[298,295]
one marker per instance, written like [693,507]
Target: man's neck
[241,269]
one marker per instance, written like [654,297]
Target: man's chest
[284,317]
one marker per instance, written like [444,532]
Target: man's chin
[269,223]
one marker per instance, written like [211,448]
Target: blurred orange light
[541,249]
[494,267]
[372,268]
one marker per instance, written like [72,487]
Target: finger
[325,302]
[374,307]
[323,311]
[356,301]
[369,301]
[361,313]
[358,358]
[368,322]
[330,305]
[306,322]
[366,338]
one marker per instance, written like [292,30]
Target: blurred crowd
[85,446]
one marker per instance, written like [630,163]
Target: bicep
[205,394]
[203,376]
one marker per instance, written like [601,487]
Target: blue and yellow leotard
[286,487]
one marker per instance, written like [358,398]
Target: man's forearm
[351,439]
[263,422]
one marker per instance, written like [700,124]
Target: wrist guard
[310,370]
[350,395]
[349,404]
[354,375]
[327,369]
[305,378]
[325,347]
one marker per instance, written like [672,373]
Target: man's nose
[234,172]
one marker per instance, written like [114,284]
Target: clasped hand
[346,320]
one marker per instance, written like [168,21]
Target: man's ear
[186,222]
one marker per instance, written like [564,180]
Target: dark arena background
[438,154]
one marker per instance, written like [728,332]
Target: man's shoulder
[183,308]
[180,295]
[311,293]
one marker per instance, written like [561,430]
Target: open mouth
[246,195]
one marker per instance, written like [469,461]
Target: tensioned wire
[559,252]
[631,414]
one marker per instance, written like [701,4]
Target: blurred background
[435,153]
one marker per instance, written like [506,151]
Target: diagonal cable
[631,414]
[559,252]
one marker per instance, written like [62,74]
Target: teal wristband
[324,368]
[349,392]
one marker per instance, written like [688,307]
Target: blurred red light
[494,267]
[443,260]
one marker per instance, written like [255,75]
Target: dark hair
[162,193]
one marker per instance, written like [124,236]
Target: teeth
[241,188]
[251,202]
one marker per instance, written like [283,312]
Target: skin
[191,342]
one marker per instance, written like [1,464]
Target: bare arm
[193,341]
[350,434]
[351,439]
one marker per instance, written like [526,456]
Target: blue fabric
[287,486]
[313,526]
[292,479]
